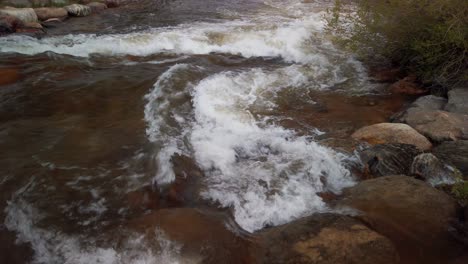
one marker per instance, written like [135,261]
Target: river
[242,109]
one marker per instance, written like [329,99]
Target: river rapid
[242,109]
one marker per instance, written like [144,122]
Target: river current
[242,108]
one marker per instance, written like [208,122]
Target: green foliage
[460,191]
[426,37]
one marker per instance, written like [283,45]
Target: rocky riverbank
[34,17]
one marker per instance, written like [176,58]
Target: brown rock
[324,238]
[407,85]
[438,125]
[414,215]
[392,133]
[112,3]
[8,76]
[97,7]
[45,13]
[26,15]
[203,234]
[9,24]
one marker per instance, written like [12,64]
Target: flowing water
[241,109]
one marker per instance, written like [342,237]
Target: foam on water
[54,247]
[265,172]
[286,38]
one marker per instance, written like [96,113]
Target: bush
[426,37]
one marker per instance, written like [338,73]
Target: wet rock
[112,3]
[414,215]
[388,159]
[78,10]
[392,133]
[9,24]
[97,7]
[458,101]
[52,22]
[203,234]
[454,153]
[407,85]
[45,13]
[26,15]
[432,170]
[430,102]
[324,238]
[437,125]
[31,28]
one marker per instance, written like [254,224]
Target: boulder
[97,7]
[414,215]
[392,133]
[78,10]
[45,13]
[112,3]
[388,159]
[324,238]
[432,170]
[437,125]
[430,102]
[457,101]
[204,234]
[407,85]
[9,24]
[454,153]
[26,15]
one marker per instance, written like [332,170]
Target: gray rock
[430,102]
[324,239]
[454,153]
[389,159]
[432,170]
[26,15]
[458,101]
[78,10]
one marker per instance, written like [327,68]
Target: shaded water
[236,108]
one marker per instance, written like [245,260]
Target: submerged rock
[388,159]
[457,101]
[78,10]
[454,153]
[392,133]
[432,170]
[45,13]
[26,15]
[414,215]
[324,238]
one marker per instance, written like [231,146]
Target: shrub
[426,37]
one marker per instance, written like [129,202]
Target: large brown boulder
[45,13]
[414,215]
[324,238]
[392,133]
[438,125]
[203,235]
[26,15]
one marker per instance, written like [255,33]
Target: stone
[45,13]
[457,101]
[388,159]
[454,153]
[9,24]
[78,10]
[26,15]
[112,3]
[437,125]
[430,102]
[31,28]
[392,133]
[432,170]
[407,85]
[204,234]
[324,239]
[411,213]
[97,7]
